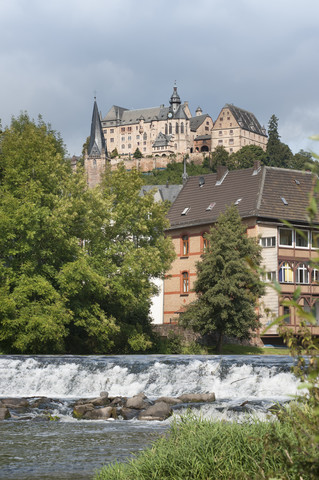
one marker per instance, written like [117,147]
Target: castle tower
[175,100]
[96,156]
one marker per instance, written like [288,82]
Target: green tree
[302,160]
[137,153]
[136,250]
[219,156]
[114,153]
[49,291]
[278,153]
[247,155]
[227,284]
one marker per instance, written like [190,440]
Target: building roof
[246,120]
[267,193]
[97,146]
[196,122]
[166,192]
[162,140]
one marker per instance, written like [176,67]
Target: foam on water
[73,377]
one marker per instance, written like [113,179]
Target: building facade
[234,128]
[265,197]
[159,131]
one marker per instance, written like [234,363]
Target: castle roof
[196,122]
[246,120]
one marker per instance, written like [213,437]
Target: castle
[163,131]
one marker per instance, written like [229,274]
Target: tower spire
[97,146]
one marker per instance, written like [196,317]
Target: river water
[31,447]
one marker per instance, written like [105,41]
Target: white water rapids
[33,448]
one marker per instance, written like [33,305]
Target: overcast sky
[55,55]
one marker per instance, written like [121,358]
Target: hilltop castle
[167,130]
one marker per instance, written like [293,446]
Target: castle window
[207,128]
[220,142]
[231,141]
[111,140]
[123,146]
[129,145]
[123,139]
[137,137]
[122,129]
[182,127]
[231,132]
[145,136]
[94,162]
[111,130]
[220,132]
[221,119]
[176,128]
[170,128]
[129,129]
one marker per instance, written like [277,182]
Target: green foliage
[197,449]
[246,156]
[173,173]
[114,153]
[75,264]
[137,153]
[227,286]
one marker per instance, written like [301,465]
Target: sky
[56,55]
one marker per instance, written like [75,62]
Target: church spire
[175,100]
[97,146]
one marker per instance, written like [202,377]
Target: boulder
[100,414]
[197,397]
[4,413]
[104,394]
[129,413]
[15,402]
[80,410]
[169,400]
[137,402]
[160,411]
[100,401]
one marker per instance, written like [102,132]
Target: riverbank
[196,449]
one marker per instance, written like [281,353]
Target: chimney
[221,174]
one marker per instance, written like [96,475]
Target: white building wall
[269,263]
[157,303]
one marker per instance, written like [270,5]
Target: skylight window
[185,211]
[284,201]
[211,206]
[297,181]
[238,201]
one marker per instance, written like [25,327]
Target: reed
[198,449]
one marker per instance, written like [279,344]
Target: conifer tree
[227,284]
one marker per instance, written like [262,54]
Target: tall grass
[197,449]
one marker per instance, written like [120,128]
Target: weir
[68,449]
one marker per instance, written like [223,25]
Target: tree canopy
[227,284]
[75,264]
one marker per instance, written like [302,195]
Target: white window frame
[297,235]
[268,242]
[292,238]
[302,274]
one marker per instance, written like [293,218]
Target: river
[31,447]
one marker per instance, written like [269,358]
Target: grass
[197,449]
[231,349]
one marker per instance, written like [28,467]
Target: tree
[133,245]
[137,153]
[114,153]
[227,284]
[219,156]
[51,299]
[278,153]
[302,160]
[247,155]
